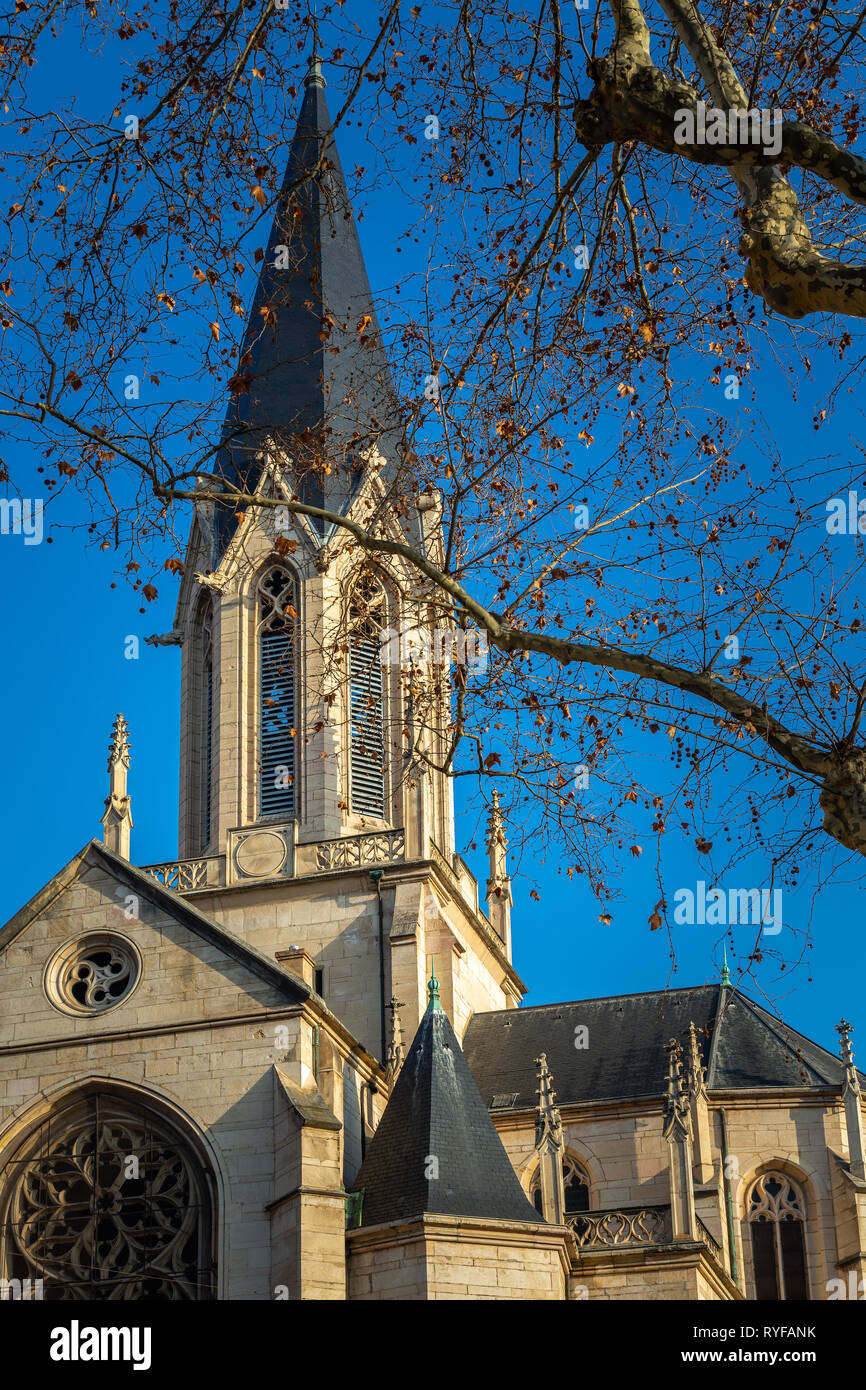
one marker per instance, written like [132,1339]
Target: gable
[188,967]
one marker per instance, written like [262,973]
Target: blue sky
[67,675]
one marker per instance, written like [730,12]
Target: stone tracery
[106,1202]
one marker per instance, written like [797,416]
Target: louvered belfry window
[277,696]
[366,695]
[207,722]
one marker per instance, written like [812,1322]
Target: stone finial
[394,1060]
[548,1120]
[678,1133]
[726,974]
[314,76]
[498,884]
[851,1096]
[696,1085]
[677,1120]
[696,1075]
[845,1029]
[117,817]
[549,1146]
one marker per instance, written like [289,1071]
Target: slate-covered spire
[436,1149]
[313,374]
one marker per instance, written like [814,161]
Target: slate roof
[743,1047]
[436,1111]
[321,383]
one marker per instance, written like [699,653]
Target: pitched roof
[436,1112]
[320,380]
[743,1046]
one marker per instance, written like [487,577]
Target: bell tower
[294,698]
[317,676]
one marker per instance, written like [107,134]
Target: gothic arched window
[367,620]
[776,1216]
[207,720]
[576,1183]
[277,694]
[107,1201]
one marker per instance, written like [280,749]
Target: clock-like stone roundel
[261,855]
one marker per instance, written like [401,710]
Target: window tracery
[104,1201]
[776,1217]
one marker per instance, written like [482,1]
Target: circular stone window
[92,973]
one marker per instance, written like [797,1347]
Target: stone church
[292,1063]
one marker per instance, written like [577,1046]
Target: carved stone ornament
[211,581]
[105,1202]
[93,973]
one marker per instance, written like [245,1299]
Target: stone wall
[449,1258]
[196,1041]
[622,1150]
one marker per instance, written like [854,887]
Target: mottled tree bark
[632,100]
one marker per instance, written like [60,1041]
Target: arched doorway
[107,1199]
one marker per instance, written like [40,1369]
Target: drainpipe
[729,1206]
[376,876]
[316,1053]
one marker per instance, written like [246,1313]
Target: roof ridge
[714,1036]
[599,998]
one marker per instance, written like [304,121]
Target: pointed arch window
[575,1182]
[277,598]
[106,1200]
[776,1216]
[207,721]
[367,620]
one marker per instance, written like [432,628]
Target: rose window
[104,1202]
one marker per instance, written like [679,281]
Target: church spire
[117,818]
[313,379]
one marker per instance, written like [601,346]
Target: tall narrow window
[207,721]
[366,715]
[575,1183]
[776,1220]
[277,618]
